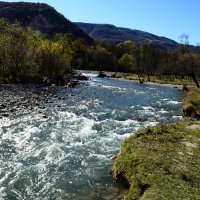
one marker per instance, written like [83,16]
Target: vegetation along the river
[30,50]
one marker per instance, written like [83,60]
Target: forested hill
[41,17]
[111,33]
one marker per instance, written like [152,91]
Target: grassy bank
[191,103]
[155,79]
[163,162]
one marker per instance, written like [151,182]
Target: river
[63,147]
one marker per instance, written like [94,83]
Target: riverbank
[191,103]
[169,81]
[163,162]
[18,98]
[176,83]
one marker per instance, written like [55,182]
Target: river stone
[2,106]
[5,114]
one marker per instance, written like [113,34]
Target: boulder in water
[79,76]
[82,77]
[102,74]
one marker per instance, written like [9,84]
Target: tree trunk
[149,77]
[195,80]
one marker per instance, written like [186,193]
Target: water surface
[63,148]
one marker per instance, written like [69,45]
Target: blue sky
[169,18]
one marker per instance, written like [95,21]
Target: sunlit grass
[161,163]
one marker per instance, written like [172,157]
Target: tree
[100,59]
[52,58]
[17,46]
[127,63]
[146,59]
[129,46]
[189,62]
[184,41]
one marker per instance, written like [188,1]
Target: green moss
[161,162]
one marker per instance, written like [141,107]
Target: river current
[64,148]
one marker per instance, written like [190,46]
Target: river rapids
[60,144]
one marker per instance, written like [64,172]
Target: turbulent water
[63,148]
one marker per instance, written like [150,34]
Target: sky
[168,18]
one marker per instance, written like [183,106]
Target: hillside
[41,17]
[111,33]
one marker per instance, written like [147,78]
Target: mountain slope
[41,17]
[111,33]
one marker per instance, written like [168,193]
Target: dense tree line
[26,55]
[145,60]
